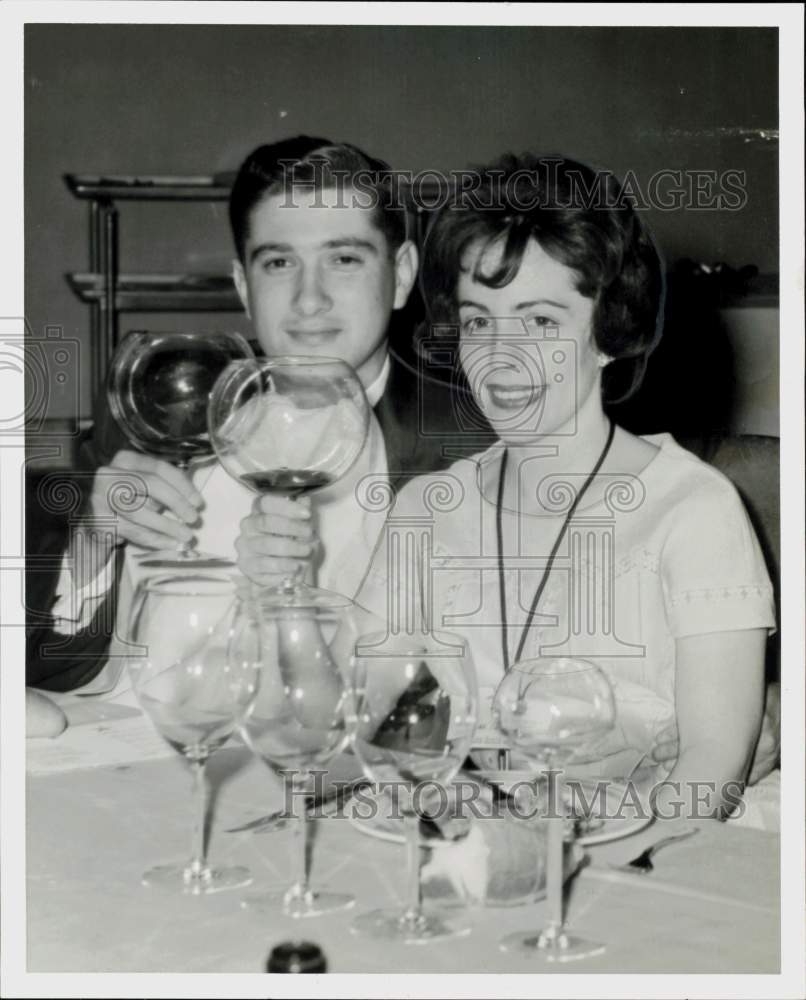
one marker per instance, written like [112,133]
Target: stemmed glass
[288,425]
[294,721]
[549,709]
[415,702]
[158,388]
[198,641]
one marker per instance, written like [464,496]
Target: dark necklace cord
[547,571]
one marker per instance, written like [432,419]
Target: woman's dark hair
[308,162]
[581,217]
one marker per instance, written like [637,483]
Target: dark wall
[196,99]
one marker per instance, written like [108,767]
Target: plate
[368,811]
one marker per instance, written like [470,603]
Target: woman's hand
[277,540]
[42,716]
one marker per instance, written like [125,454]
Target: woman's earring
[603,360]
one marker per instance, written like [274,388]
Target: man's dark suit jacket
[426,424]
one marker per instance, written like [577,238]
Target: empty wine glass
[158,388]
[413,716]
[294,721]
[198,641]
[288,425]
[549,709]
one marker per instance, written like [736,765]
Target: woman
[571,536]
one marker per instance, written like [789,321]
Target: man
[323,262]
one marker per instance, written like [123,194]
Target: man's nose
[311,295]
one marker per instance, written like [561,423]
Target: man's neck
[376,388]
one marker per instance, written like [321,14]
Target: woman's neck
[573,451]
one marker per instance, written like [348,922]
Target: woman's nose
[311,295]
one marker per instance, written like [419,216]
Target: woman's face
[527,348]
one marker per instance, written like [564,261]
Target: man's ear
[406,261]
[241,287]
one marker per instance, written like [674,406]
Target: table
[710,906]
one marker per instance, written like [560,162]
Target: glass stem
[554,856]
[412,912]
[299,889]
[198,868]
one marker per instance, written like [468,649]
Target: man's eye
[276,263]
[347,260]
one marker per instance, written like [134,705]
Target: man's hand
[277,540]
[149,502]
[42,716]
[667,747]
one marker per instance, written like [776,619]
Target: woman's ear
[241,285]
[406,261]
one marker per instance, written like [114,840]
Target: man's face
[318,278]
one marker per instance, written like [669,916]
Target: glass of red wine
[158,388]
[289,426]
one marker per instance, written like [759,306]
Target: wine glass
[293,719]
[415,702]
[288,425]
[550,708]
[197,639]
[158,387]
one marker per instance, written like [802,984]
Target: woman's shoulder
[678,468]
[439,490]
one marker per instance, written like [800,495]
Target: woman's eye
[477,324]
[539,322]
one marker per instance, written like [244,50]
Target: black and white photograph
[401,449]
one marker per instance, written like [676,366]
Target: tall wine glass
[549,709]
[197,640]
[158,388]
[294,721]
[415,702]
[288,425]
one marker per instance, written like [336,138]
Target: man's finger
[147,466]
[159,524]
[664,752]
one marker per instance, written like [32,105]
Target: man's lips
[513,397]
[318,334]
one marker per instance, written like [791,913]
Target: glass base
[551,946]
[180,878]
[394,925]
[184,559]
[297,905]
[301,595]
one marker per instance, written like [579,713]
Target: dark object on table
[296,956]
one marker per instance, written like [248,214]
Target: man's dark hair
[310,162]
[582,218]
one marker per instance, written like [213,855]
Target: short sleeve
[713,571]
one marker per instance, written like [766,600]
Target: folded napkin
[492,858]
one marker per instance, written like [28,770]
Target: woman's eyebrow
[541,302]
[470,304]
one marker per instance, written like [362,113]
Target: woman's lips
[514,397]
